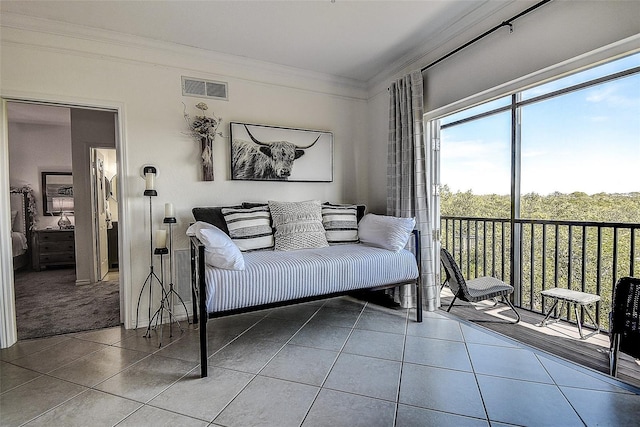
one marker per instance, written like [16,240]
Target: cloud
[534,153]
[472,148]
[611,95]
[600,94]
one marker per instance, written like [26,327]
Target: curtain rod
[507,23]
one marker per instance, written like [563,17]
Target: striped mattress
[275,276]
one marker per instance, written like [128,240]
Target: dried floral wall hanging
[204,129]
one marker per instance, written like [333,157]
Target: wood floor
[561,339]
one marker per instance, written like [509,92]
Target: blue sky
[586,141]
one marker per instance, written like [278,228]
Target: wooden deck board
[561,339]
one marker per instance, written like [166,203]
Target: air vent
[204,88]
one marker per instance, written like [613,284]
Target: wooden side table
[53,248]
[576,298]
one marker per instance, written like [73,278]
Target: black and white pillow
[250,229]
[298,225]
[340,223]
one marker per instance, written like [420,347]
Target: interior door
[100,213]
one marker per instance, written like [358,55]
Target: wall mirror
[57,193]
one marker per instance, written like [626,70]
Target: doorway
[69,293]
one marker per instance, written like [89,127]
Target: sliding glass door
[517,168]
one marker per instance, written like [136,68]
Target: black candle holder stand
[170,221]
[152,277]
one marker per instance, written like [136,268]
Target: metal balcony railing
[533,255]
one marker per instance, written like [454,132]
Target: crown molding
[121,45]
[446,41]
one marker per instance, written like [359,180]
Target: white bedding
[273,276]
[18,243]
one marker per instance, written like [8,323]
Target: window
[578,135]
[480,149]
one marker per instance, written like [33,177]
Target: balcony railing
[533,255]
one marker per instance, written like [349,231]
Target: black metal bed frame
[199,298]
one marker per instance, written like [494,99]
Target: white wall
[554,33]
[37,148]
[144,78]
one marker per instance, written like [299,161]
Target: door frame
[8,328]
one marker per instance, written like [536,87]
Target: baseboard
[83,282]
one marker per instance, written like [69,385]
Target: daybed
[20,227]
[271,271]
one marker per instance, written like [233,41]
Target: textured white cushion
[220,251]
[340,223]
[298,225]
[249,228]
[387,232]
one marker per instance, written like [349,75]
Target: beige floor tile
[155,417]
[269,402]
[12,376]
[106,336]
[25,348]
[203,398]
[91,408]
[146,379]
[58,355]
[98,366]
[26,402]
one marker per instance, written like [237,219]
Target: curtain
[408,180]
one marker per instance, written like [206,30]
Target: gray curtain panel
[408,179]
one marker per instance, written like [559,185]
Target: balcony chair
[480,289]
[624,332]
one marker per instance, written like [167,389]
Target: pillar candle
[168,210]
[161,239]
[149,179]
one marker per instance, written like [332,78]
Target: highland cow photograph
[271,153]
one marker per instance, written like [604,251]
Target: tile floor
[339,362]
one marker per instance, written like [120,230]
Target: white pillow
[220,251]
[387,232]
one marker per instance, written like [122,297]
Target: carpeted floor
[49,303]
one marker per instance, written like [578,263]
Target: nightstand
[53,248]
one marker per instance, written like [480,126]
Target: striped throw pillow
[340,223]
[298,225]
[250,229]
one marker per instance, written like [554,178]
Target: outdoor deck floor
[561,339]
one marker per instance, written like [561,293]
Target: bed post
[202,291]
[418,250]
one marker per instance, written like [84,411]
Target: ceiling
[354,40]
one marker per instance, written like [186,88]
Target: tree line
[578,206]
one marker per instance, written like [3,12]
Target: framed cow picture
[272,153]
